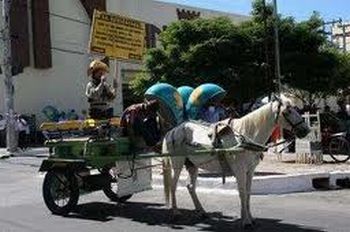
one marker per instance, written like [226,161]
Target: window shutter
[19,35]
[41,34]
[151,32]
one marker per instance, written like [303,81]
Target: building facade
[50,43]
[341,36]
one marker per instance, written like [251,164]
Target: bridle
[278,113]
[293,125]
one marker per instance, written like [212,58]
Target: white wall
[161,13]
[63,85]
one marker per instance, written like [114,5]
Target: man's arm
[93,92]
[111,94]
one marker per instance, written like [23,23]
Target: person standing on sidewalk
[2,131]
[23,131]
[100,94]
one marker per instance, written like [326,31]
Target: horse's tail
[167,179]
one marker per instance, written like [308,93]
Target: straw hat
[96,65]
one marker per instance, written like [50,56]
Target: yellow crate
[70,125]
[48,126]
[76,124]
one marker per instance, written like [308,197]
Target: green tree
[241,57]
[205,50]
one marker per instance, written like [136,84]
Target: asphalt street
[22,209]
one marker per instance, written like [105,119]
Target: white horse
[257,126]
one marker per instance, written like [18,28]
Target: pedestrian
[211,112]
[23,132]
[2,131]
[100,94]
[83,115]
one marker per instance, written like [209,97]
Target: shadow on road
[157,214]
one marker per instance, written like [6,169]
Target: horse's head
[287,116]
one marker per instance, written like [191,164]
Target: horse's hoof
[254,223]
[248,226]
[175,215]
[201,214]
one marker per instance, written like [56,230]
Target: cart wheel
[60,192]
[111,190]
[339,149]
[111,194]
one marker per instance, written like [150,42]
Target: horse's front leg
[241,177]
[193,173]
[250,175]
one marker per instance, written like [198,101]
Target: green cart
[98,157]
[86,164]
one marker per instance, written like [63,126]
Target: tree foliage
[241,57]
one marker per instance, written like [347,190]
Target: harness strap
[225,167]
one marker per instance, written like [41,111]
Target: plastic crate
[117,147]
[75,148]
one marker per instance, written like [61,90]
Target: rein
[284,116]
[278,110]
[257,146]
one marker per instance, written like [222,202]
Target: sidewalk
[277,177]
[30,152]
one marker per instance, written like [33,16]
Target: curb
[281,184]
[31,152]
[262,185]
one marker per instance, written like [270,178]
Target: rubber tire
[347,151]
[114,197]
[109,192]
[74,192]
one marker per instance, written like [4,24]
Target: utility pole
[277,48]
[266,45]
[9,88]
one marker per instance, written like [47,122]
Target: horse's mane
[256,114]
[252,123]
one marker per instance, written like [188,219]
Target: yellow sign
[117,37]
